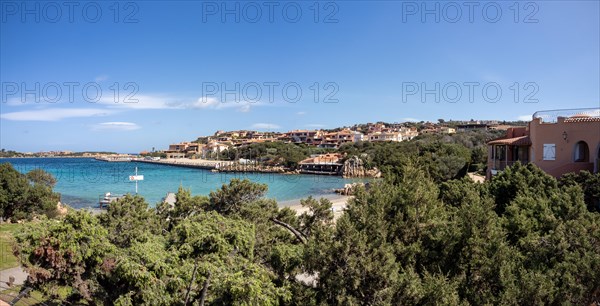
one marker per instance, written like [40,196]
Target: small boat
[105,200]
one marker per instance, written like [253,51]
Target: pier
[115,158]
[188,163]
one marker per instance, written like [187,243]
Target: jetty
[116,158]
[188,163]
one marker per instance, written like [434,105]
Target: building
[429,131]
[473,126]
[177,150]
[439,130]
[447,130]
[310,137]
[408,133]
[558,142]
[175,154]
[335,139]
[384,136]
[322,164]
[212,148]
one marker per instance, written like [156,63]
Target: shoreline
[323,189]
[338,204]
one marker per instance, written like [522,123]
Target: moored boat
[105,200]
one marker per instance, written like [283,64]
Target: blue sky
[370,60]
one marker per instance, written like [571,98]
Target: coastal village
[542,141]
[208,146]
[557,141]
[205,150]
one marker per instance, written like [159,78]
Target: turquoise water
[80,181]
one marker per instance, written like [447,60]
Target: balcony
[551,116]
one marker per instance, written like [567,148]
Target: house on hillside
[336,139]
[558,141]
[384,136]
[472,126]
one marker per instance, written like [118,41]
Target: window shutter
[549,152]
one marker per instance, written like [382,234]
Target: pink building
[558,142]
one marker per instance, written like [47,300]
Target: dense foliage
[232,247]
[424,243]
[25,196]
[590,183]
[523,238]
[444,157]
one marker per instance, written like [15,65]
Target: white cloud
[166,102]
[265,126]
[100,78]
[524,118]
[142,102]
[55,114]
[136,101]
[301,113]
[244,108]
[115,126]
[204,102]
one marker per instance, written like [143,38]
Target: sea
[83,181]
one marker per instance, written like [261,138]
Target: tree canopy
[417,237]
[25,196]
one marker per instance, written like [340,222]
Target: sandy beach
[338,204]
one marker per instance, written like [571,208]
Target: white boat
[107,199]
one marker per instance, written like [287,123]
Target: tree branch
[187,294]
[299,235]
[205,289]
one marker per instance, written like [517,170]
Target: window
[581,152]
[549,152]
[521,153]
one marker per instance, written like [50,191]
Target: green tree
[223,252]
[590,183]
[74,253]
[39,176]
[130,219]
[231,197]
[520,180]
[319,214]
[185,206]
[26,196]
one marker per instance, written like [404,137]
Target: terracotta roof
[330,158]
[516,141]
